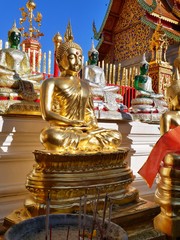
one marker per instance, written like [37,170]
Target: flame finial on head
[93,49]
[63,47]
[13,29]
[144,59]
[68,36]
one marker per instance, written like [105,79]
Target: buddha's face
[15,39]
[74,59]
[144,69]
[93,58]
[174,104]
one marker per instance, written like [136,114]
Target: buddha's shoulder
[94,68]
[60,81]
[11,50]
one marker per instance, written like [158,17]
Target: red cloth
[167,143]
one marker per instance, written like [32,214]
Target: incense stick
[79,226]
[47,215]
[68,233]
[104,209]
[95,213]
[84,217]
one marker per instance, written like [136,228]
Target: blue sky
[56,14]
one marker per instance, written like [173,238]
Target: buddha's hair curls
[63,49]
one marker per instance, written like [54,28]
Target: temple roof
[104,35]
[167,10]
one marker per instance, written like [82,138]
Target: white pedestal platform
[19,137]
[140,138]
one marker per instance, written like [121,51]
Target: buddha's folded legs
[66,139]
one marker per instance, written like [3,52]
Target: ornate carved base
[161,74]
[68,177]
[20,107]
[146,117]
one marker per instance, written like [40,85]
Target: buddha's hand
[75,123]
[16,76]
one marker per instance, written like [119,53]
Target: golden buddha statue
[67,104]
[79,158]
[17,83]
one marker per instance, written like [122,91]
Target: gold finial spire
[57,39]
[28,16]
[68,36]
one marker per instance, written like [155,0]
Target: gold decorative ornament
[28,16]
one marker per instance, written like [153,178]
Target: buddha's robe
[68,106]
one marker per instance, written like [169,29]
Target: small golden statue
[159,44]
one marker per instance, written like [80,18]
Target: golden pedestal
[161,74]
[68,177]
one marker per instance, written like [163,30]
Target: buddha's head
[93,55]
[14,36]
[69,55]
[144,67]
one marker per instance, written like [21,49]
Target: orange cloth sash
[167,143]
